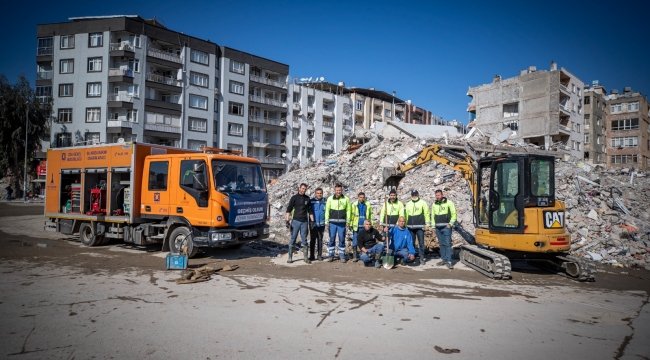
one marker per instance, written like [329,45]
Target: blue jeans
[337,229]
[419,234]
[444,239]
[366,257]
[8,196]
[297,226]
[403,253]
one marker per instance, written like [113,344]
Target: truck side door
[193,192]
[155,187]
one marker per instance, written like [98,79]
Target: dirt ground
[22,238]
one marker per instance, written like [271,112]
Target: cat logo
[553,219]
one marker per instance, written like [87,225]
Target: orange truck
[147,194]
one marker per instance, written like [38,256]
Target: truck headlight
[221,236]
[265,231]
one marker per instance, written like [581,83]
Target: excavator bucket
[392,176]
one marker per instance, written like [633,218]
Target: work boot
[440,263]
[402,261]
[343,258]
[330,258]
[377,259]
[320,255]
[355,255]
[450,266]
[422,261]
[305,255]
[290,259]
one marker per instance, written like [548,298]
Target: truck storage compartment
[70,195]
[120,192]
[95,181]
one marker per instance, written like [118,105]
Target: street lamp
[25,164]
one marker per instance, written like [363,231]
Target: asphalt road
[59,299]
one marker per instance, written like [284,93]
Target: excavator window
[503,197]
[540,177]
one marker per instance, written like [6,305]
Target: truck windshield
[237,177]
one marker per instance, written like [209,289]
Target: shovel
[388,261]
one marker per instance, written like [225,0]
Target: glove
[288,224]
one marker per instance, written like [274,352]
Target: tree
[16,100]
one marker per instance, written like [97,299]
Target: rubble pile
[601,229]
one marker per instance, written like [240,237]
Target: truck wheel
[87,235]
[179,239]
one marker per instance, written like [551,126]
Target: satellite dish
[304,79]
[322,78]
[295,80]
[408,102]
[284,155]
[309,79]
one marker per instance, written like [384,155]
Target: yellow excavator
[516,214]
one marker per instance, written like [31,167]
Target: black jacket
[368,239]
[300,207]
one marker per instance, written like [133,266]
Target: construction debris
[608,217]
[202,274]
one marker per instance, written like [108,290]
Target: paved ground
[59,299]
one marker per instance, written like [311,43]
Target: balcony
[310,125]
[161,104]
[44,75]
[117,126]
[120,76]
[565,89]
[270,160]
[296,142]
[328,112]
[44,51]
[272,102]
[296,122]
[296,106]
[120,97]
[310,108]
[565,109]
[162,55]
[328,128]
[564,129]
[165,80]
[264,143]
[328,145]
[43,99]
[163,128]
[310,142]
[267,121]
[261,80]
[377,116]
[122,49]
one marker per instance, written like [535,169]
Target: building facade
[372,105]
[543,108]
[628,132]
[252,108]
[595,123]
[123,77]
[321,121]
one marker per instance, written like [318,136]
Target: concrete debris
[594,218]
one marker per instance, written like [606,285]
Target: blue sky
[427,52]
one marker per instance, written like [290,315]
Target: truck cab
[207,199]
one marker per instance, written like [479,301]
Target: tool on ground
[388,261]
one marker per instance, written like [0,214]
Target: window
[196,124]
[510,110]
[169,98]
[235,129]
[296,97]
[134,65]
[133,90]
[43,93]
[573,88]
[135,40]
[65,90]
[92,138]
[628,141]
[236,87]
[66,66]
[586,138]
[624,159]
[199,57]
[387,113]
[198,79]
[513,125]
[132,115]
[95,40]
[67,42]
[198,102]
[196,144]
[577,128]
[93,115]
[235,108]
[633,106]
[65,116]
[616,108]
[587,100]
[158,171]
[216,105]
[573,145]
[45,46]
[235,147]
[587,117]
[94,64]
[64,139]
[579,92]
[237,67]
[578,146]
[626,124]
[94,89]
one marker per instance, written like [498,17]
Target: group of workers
[400,224]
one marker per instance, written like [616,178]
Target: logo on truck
[553,219]
[156,197]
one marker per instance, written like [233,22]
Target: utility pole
[392,110]
[25,164]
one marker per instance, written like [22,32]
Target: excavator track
[570,267]
[488,263]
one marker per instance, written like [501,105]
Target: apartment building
[544,108]
[124,77]
[252,108]
[372,105]
[628,132]
[321,121]
[595,112]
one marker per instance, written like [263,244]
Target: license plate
[250,233]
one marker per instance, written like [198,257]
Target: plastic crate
[176,262]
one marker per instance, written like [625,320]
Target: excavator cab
[509,184]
